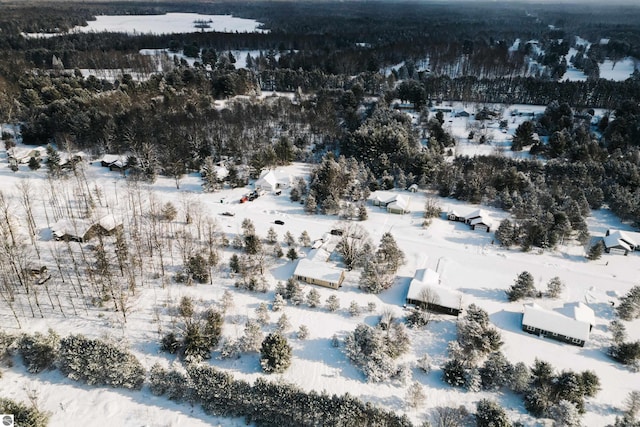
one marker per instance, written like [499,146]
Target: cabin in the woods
[476,219]
[571,325]
[81,230]
[621,242]
[392,202]
[273,180]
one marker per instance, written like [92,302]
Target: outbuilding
[426,292]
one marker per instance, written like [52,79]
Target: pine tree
[169,212]
[304,239]
[262,314]
[490,414]
[522,288]
[289,239]
[596,251]
[505,233]
[629,307]
[313,298]
[354,309]
[310,204]
[363,214]
[278,303]
[283,324]
[275,353]
[210,178]
[252,338]
[333,303]
[34,164]
[53,161]
[292,254]
[496,372]
[303,332]
[272,236]
[389,254]
[555,287]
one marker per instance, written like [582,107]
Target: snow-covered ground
[170,23]
[469,261]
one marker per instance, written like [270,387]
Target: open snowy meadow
[471,262]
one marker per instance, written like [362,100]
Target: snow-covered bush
[97,362]
[496,372]
[23,415]
[490,414]
[275,353]
[39,351]
[523,287]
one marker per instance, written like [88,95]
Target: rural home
[318,272]
[426,291]
[80,230]
[621,242]
[393,202]
[476,219]
[572,327]
[272,180]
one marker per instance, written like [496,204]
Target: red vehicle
[244,199]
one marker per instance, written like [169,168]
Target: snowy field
[170,23]
[468,261]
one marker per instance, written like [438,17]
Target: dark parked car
[228,213]
[279,222]
[336,232]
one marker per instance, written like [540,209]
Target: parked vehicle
[279,222]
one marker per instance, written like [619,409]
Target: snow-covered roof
[481,220]
[273,178]
[318,270]
[109,222]
[399,203]
[630,237]
[318,254]
[388,197]
[23,154]
[577,326]
[615,240]
[69,227]
[112,158]
[426,279]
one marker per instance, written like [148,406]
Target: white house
[393,202]
[622,242]
[317,272]
[572,327]
[477,219]
[426,291]
[273,180]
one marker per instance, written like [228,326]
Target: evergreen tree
[363,214]
[313,298]
[39,351]
[275,353]
[53,161]
[389,254]
[278,303]
[354,309]
[262,314]
[522,288]
[283,324]
[292,254]
[629,307]
[333,303]
[252,338]
[310,204]
[506,233]
[496,372]
[34,164]
[210,178]
[555,287]
[303,332]
[490,414]
[272,236]
[596,251]
[304,239]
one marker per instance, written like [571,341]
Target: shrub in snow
[230,349]
[490,414]
[283,323]
[523,287]
[424,363]
[372,350]
[262,314]
[354,309]
[170,343]
[39,351]
[23,415]
[333,303]
[275,353]
[99,363]
[520,378]
[303,332]
[627,353]
[7,345]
